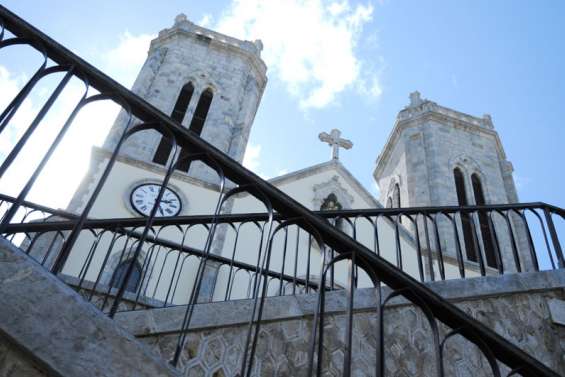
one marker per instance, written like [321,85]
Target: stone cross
[335,142]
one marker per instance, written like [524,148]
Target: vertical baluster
[348,352]
[554,238]
[428,245]
[496,244]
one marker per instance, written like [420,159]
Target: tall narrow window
[197,124]
[396,199]
[120,274]
[483,221]
[465,217]
[201,111]
[396,196]
[179,111]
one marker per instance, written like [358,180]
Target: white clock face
[143,199]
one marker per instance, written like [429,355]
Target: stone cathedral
[212,84]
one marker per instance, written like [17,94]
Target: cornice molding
[249,51]
[430,111]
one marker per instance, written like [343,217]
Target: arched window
[396,196]
[465,217]
[396,199]
[197,124]
[120,273]
[483,221]
[331,203]
[179,111]
[201,111]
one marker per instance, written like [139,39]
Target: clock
[142,199]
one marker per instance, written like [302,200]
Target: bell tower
[436,156]
[428,142]
[209,82]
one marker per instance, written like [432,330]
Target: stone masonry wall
[515,306]
[427,143]
[15,362]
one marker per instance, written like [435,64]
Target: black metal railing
[423,247]
[152,241]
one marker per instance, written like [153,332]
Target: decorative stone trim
[432,112]
[251,51]
[333,186]
[236,312]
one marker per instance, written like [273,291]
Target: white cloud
[206,20]
[60,177]
[251,158]
[309,44]
[370,86]
[124,61]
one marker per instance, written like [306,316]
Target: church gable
[312,187]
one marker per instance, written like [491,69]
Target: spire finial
[181,17]
[415,99]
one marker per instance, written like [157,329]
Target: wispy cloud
[251,160]
[206,20]
[310,45]
[70,161]
[124,61]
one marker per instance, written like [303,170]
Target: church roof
[333,164]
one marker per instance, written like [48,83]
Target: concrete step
[47,328]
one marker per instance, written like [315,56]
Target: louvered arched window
[201,111]
[486,233]
[465,217]
[179,111]
[197,124]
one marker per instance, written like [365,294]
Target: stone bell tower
[436,156]
[427,143]
[209,82]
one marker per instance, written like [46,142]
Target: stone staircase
[47,329]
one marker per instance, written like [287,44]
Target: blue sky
[505,58]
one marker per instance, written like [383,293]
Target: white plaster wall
[113,202]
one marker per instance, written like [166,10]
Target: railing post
[554,238]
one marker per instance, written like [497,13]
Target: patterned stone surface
[283,345]
[14,363]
